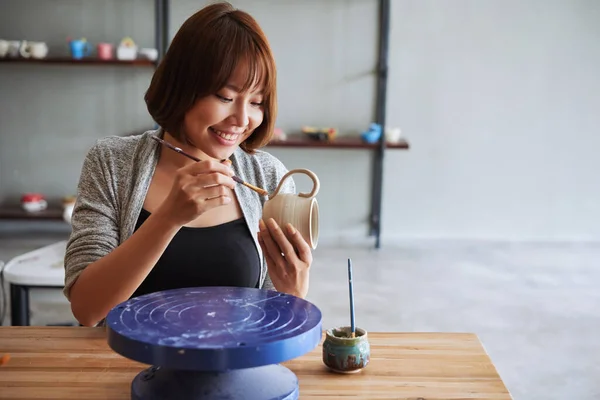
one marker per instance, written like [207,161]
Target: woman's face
[218,123]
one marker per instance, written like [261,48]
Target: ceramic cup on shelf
[301,210]
[33,202]
[79,48]
[37,50]
[105,51]
[345,354]
[150,54]
[68,203]
[127,49]
[13,48]
[393,135]
[4,46]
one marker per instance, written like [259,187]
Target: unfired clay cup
[301,210]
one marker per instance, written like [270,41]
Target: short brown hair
[201,58]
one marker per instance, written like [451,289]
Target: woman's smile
[225,137]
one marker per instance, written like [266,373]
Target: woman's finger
[282,241]
[207,198]
[208,166]
[270,262]
[213,179]
[212,192]
[215,202]
[302,248]
[272,248]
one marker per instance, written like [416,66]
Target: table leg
[19,305]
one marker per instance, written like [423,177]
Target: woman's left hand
[288,257]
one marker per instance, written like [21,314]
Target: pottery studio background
[498,100]
[493,99]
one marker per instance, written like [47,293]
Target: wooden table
[76,363]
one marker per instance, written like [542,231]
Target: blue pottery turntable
[214,342]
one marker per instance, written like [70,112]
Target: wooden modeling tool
[352,326]
[235,178]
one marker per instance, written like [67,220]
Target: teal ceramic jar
[344,354]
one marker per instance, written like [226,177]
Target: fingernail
[273,223]
[261,225]
[290,229]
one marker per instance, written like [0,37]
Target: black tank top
[222,255]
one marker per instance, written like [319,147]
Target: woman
[149,219]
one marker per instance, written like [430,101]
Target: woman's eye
[229,100]
[224,99]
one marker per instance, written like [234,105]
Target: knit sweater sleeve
[95,230]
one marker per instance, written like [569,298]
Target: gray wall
[499,100]
[501,103]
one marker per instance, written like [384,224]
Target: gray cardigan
[115,177]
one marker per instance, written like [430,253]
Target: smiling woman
[148,219]
[222,57]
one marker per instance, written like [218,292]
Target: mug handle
[311,175]
[24,49]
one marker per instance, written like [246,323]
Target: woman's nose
[241,116]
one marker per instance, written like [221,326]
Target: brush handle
[352,326]
[183,153]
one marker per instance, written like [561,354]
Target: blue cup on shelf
[79,48]
[373,134]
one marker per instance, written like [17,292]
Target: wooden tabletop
[76,362]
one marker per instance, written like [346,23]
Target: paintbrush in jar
[235,178]
[351,290]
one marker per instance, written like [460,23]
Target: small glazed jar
[343,353]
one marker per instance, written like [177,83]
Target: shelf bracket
[380,115]
[161,27]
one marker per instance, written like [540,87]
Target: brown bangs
[200,61]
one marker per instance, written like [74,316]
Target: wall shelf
[141,62]
[162,14]
[341,142]
[52,213]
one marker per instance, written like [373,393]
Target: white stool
[41,268]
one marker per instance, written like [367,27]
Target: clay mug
[37,50]
[79,48]
[301,210]
[33,202]
[13,48]
[4,45]
[105,51]
[345,354]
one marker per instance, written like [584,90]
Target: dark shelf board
[342,142]
[84,61]
[52,213]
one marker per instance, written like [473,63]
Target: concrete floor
[534,306]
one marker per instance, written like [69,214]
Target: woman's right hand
[197,188]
